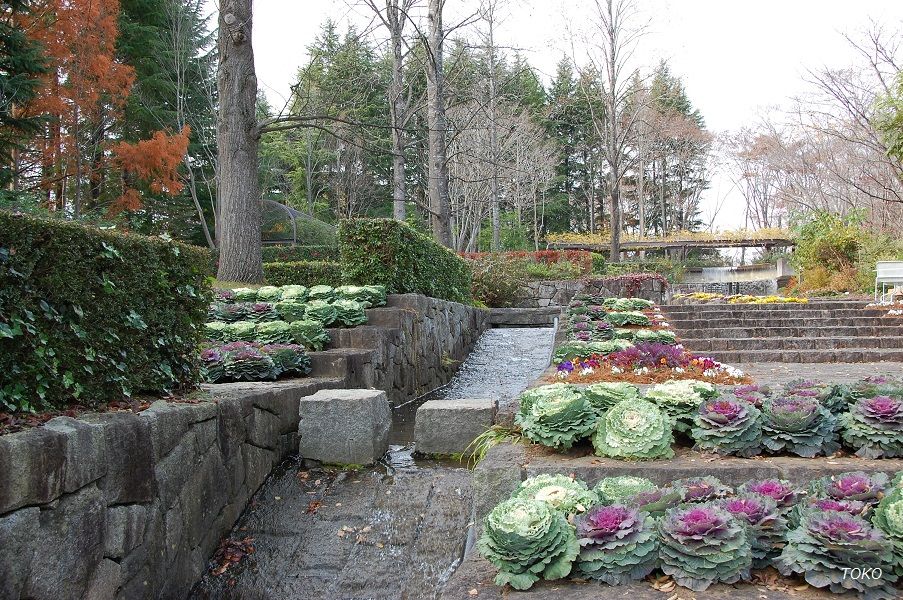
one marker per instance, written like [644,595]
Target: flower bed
[711,298]
[254,325]
[806,419]
[699,531]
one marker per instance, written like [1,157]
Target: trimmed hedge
[90,316]
[308,273]
[273,254]
[391,253]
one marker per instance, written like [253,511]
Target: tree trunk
[437,160]
[237,140]
[615,223]
[397,110]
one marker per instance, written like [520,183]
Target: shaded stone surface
[347,427]
[449,426]
[349,534]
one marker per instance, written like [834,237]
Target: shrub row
[307,273]
[390,253]
[273,254]
[90,316]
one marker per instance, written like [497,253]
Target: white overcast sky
[736,57]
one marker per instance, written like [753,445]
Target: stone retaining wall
[123,505]
[763,287]
[538,294]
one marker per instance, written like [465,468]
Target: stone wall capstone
[132,505]
[538,294]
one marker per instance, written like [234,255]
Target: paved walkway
[780,373]
[321,535]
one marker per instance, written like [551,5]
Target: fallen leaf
[473,592]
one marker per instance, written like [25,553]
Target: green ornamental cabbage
[309,334]
[624,304]
[322,311]
[798,425]
[215,330]
[527,540]
[242,331]
[247,363]
[298,293]
[349,313]
[630,317]
[618,544]
[889,518]
[634,430]
[289,358]
[728,426]
[368,295]
[603,396]
[269,293]
[619,489]
[291,310]
[322,292]
[661,336]
[274,332]
[562,493]
[529,396]
[556,418]
[681,400]
[874,427]
[828,545]
[244,295]
[702,545]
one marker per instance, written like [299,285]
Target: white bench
[887,272]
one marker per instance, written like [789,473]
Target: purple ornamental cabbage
[855,485]
[766,524]
[702,489]
[752,393]
[657,501]
[827,545]
[728,426]
[213,368]
[874,427]
[704,544]
[779,490]
[617,544]
[798,425]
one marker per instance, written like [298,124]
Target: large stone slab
[344,426]
[449,426]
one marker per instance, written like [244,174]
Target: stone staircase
[821,331]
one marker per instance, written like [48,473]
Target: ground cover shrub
[390,253]
[306,273]
[90,316]
[497,281]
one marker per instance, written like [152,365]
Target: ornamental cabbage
[242,331]
[215,330]
[603,396]
[298,293]
[527,540]
[274,332]
[322,292]
[889,518]
[309,334]
[349,313]
[619,489]
[752,393]
[728,426]
[261,312]
[322,311]
[702,489]
[288,358]
[244,295]
[576,350]
[634,430]
[656,502]
[269,293]
[805,507]
[827,545]
[768,528]
[798,425]
[291,310]
[681,400]
[874,427]
[854,485]
[822,392]
[368,295]
[661,336]
[617,544]
[530,395]
[624,304]
[780,490]
[558,491]
[244,362]
[220,311]
[213,368]
[556,417]
[702,545]
[630,317]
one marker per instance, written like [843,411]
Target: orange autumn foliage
[155,161]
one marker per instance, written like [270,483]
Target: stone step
[794,343]
[349,363]
[734,331]
[787,322]
[362,336]
[524,317]
[843,355]
[791,306]
[840,313]
[385,317]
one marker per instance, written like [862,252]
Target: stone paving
[780,373]
[321,534]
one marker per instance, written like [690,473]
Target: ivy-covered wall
[390,253]
[88,316]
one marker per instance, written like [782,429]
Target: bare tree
[615,37]
[437,166]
